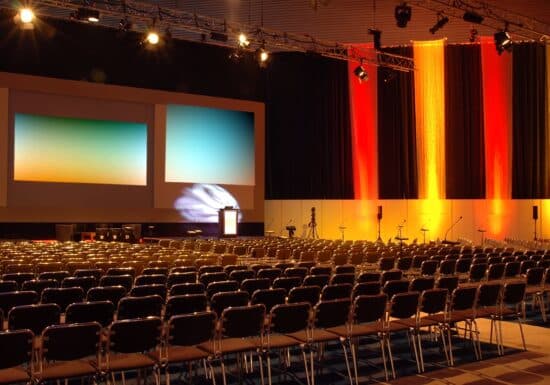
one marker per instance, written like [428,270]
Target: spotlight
[262,56]
[377,37]
[243,41]
[361,73]
[503,41]
[403,14]
[152,38]
[86,14]
[25,18]
[473,17]
[441,21]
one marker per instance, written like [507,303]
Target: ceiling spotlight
[361,73]
[403,14]
[262,56]
[377,37]
[152,38]
[86,14]
[243,41]
[441,21]
[472,17]
[25,18]
[503,41]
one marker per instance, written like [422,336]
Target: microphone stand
[445,241]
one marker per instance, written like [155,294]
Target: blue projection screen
[209,145]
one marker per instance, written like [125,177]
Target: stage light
[403,14]
[377,38]
[25,18]
[152,38]
[441,21]
[86,14]
[473,17]
[361,73]
[243,41]
[503,41]
[26,15]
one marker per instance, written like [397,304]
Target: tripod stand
[312,232]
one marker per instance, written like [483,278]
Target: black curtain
[397,171]
[464,131]
[529,168]
[308,135]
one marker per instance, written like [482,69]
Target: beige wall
[511,218]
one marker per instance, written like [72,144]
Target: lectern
[228,218]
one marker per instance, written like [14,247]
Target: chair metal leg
[415,350]
[354,359]
[383,350]
[261,368]
[268,369]
[223,372]
[449,339]
[522,336]
[388,344]
[308,380]
[347,361]
[420,353]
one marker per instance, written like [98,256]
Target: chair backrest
[99,311]
[96,273]
[18,277]
[208,278]
[369,276]
[187,288]
[344,269]
[348,278]
[145,290]
[220,287]
[158,270]
[464,298]
[289,318]
[16,347]
[203,325]
[309,294]
[429,267]
[534,276]
[139,307]
[150,279]
[386,263]
[38,285]
[253,284]
[17,298]
[176,278]
[272,273]
[404,305]
[241,275]
[488,294]
[338,291]
[122,335]
[34,317]
[463,265]
[393,287]
[422,283]
[121,271]
[316,280]
[526,265]
[106,293]
[71,341]
[85,283]
[126,281]
[391,275]
[513,293]
[63,296]
[7,286]
[447,267]
[450,283]
[369,308]
[296,272]
[269,297]
[287,283]
[495,271]
[243,321]
[185,304]
[221,301]
[320,270]
[366,288]
[433,300]
[331,313]
[477,271]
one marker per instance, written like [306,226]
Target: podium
[228,218]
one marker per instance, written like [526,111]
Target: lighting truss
[493,16]
[195,27]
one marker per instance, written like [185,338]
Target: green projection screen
[71,150]
[209,145]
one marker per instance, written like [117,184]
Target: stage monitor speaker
[379,215]
[535,212]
